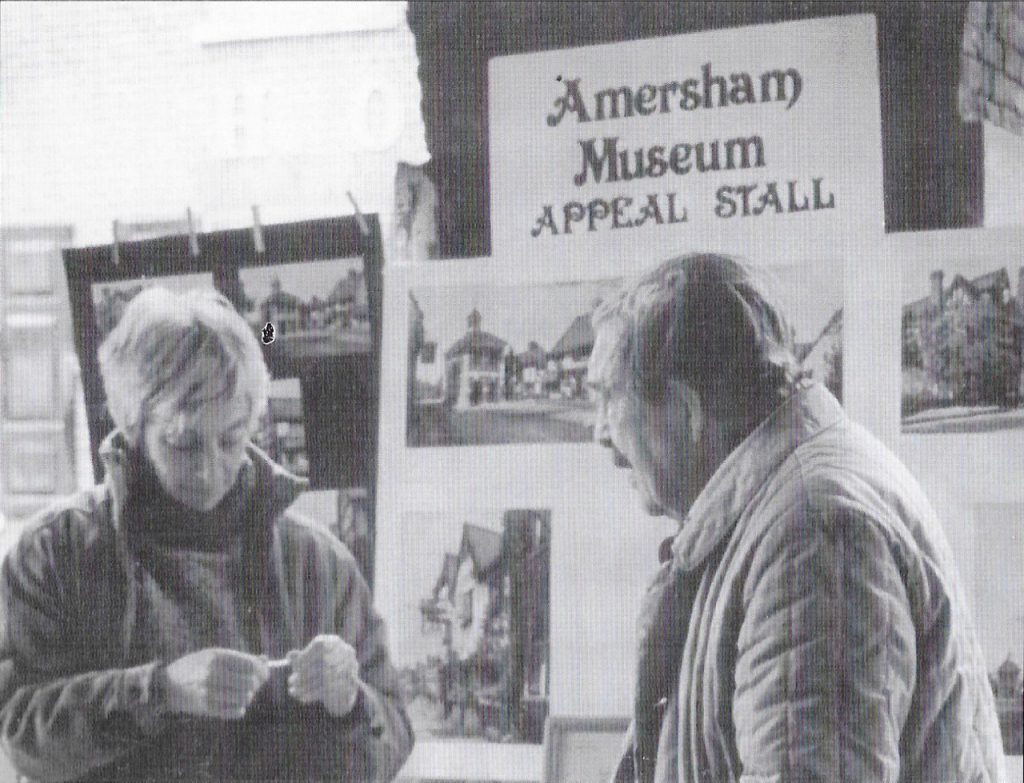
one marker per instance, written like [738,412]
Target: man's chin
[652,508]
[647,501]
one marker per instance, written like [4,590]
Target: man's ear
[687,405]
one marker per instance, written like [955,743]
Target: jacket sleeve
[387,733]
[56,721]
[826,658]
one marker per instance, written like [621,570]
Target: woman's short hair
[708,320]
[179,348]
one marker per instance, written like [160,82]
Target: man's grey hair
[707,320]
[183,349]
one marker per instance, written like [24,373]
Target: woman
[176,622]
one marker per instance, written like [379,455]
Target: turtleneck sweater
[196,590]
[151,514]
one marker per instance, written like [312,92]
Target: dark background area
[933,163]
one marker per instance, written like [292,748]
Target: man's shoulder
[846,477]
[834,461]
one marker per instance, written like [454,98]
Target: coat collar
[808,411]
[273,487]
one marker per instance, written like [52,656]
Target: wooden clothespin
[115,253]
[364,227]
[193,239]
[257,230]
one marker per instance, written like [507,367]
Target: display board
[961,347]
[760,142]
[319,283]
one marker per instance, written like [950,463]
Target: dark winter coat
[106,587]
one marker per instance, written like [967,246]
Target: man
[177,622]
[809,624]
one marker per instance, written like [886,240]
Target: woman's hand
[214,683]
[326,671]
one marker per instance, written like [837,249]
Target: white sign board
[761,138]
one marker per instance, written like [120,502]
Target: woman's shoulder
[66,531]
[81,516]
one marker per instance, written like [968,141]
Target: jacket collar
[810,409]
[273,487]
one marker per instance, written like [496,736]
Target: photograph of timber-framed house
[483,669]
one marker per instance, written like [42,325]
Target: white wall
[135,111]
[1004,177]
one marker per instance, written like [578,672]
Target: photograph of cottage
[472,639]
[282,429]
[963,346]
[318,308]
[501,365]
[109,299]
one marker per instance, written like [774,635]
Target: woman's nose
[206,470]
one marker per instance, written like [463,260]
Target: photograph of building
[501,365]
[963,348]
[282,430]
[109,299]
[997,530]
[473,650]
[1008,688]
[318,308]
